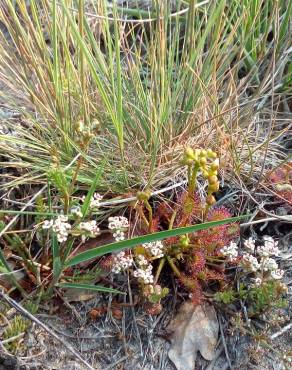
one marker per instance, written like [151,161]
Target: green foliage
[266,297]
[226,297]
[157,297]
[17,326]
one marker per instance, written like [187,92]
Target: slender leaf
[115,247]
[97,288]
[86,203]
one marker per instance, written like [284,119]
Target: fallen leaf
[117,313]
[195,328]
[97,312]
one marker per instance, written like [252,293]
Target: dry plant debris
[195,328]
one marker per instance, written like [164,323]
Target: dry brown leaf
[195,328]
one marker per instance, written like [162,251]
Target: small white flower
[76,211]
[60,226]
[119,235]
[94,201]
[269,241]
[141,260]
[250,244]
[258,281]
[118,222]
[90,226]
[231,251]
[145,274]
[47,224]
[268,264]
[122,262]
[277,274]
[155,248]
[250,263]
[269,248]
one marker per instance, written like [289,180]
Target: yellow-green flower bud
[189,154]
[215,165]
[203,153]
[214,187]
[213,172]
[143,195]
[212,179]
[210,200]
[205,174]
[184,241]
[203,161]
[79,126]
[211,154]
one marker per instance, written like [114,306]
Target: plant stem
[159,269]
[173,266]
[150,218]
[171,222]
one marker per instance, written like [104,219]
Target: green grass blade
[96,288]
[115,247]
[86,204]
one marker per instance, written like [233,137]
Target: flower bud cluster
[90,228]
[259,260]
[60,226]
[119,224]
[230,251]
[94,201]
[207,162]
[86,134]
[155,248]
[269,248]
[121,262]
[144,274]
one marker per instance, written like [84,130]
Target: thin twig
[27,314]
[268,219]
[131,199]
[282,331]
[224,343]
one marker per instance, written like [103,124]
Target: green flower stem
[192,176]
[149,209]
[159,269]
[171,222]
[173,266]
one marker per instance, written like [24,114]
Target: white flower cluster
[155,248]
[249,244]
[250,262]
[90,227]
[261,262]
[257,260]
[94,201]
[118,224]
[230,251]
[60,226]
[144,270]
[141,260]
[269,248]
[122,261]
[145,274]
